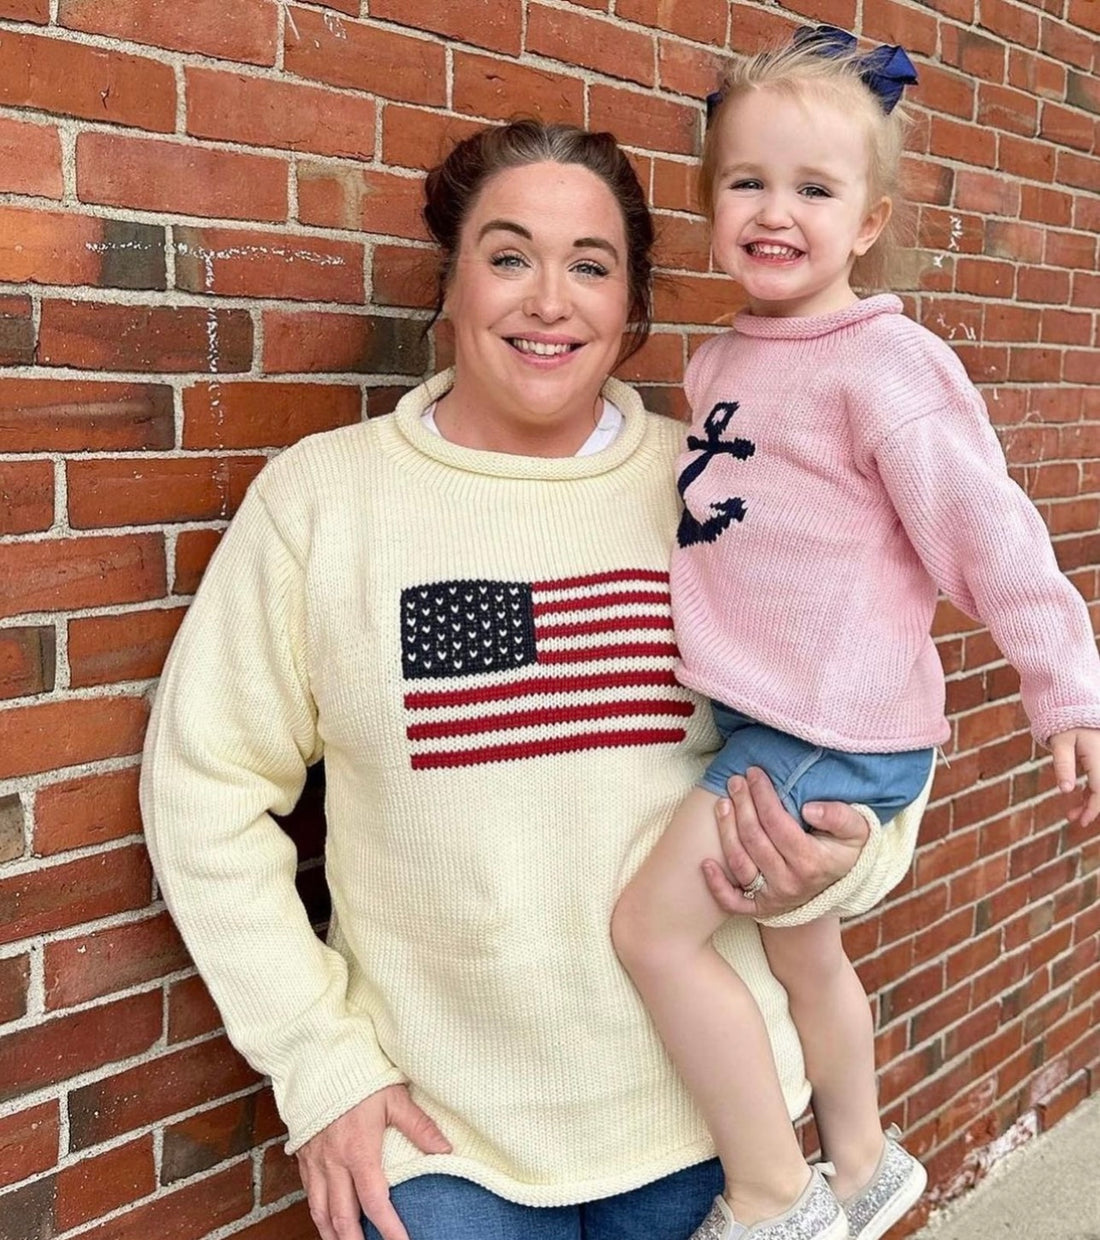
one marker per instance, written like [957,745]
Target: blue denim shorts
[802,771]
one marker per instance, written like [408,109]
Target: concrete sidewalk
[1049,1189]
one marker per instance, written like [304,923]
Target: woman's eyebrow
[504,226]
[596,243]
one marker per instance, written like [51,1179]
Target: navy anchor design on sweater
[726,511]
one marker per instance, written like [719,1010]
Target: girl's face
[791,210]
[538,300]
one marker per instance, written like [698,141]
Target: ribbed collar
[504,464]
[807,327]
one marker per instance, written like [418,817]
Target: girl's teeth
[778,251]
[539,347]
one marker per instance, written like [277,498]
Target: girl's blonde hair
[803,71]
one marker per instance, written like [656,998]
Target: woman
[464,608]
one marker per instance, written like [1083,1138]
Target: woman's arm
[845,866]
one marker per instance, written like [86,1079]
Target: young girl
[839,469]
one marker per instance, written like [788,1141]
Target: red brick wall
[209,246]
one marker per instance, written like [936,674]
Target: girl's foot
[816,1215]
[890,1193]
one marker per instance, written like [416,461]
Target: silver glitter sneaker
[889,1194]
[816,1215]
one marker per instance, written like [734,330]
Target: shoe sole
[837,1229]
[898,1208]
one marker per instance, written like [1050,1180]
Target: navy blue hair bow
[886,71]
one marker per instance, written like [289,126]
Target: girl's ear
[874,222]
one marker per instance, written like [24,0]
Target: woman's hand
[759,837]
[341,1167]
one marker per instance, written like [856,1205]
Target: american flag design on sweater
[497,671]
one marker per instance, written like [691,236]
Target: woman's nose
[548,297]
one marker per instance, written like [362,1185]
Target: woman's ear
[874,222]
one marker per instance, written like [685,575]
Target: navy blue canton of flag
[503,670]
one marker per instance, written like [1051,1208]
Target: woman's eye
[589,267]
[508,260]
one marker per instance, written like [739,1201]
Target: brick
[687,70]
[890,22]
[682,245]
[361,57]
[673,185]
[1067,327]
[1043,285]
[258,264]
[13,841]
[91,966]
[710,300]
[660,358]
[1076,170]
[133,646]
[261,415]
[1013,22]
[644,120]
[1062,43]
[26,496]
[95,1186]
[80,572]
[1045,206]
[973,53]
[279,1176]
[178,177]
[73,79]
[972,144]
[593,43]
[983,277]
[168,1085]
[66,733]
[30,159]
[1086,289]
[490,88]
[230,107]
[28,658]
[1082,91]
[244,31]
[46,247]
[987,193]
[93,809]
[191,1011]
[28,1142]
[404,277]
[928,181]
[26,10]
[1070,249]
[155,490]
[216,1135]
[494,24]
[310,341]
[166,339]
[193,551]
[364,199]
[1011,322]
[17,331]
[1024,157]
[54,1050]
[693,19]
[754,27]
[414,138]
[1067,127]
[1000,107]
[942,90]
[52,415]
[15,976]
[190,1213]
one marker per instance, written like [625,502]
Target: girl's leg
[433,1206]
[833,1019]
[706,1016]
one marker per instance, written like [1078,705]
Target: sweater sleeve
[884,861]
[986,547]
[233,730]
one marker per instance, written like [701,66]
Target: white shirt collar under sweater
[603,433]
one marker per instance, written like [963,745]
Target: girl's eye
[747,183]
[815,191]
[508,260]
[589,267]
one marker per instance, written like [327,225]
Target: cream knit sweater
[479,646]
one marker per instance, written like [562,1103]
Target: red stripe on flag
[625,650]
[541,716]
[600,579]
[553,745]
[593,602]
[426,700]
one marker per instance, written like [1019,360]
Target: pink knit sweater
[839,469]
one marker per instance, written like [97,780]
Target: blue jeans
[802,771]
[444,1207]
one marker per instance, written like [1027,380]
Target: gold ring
[757,884]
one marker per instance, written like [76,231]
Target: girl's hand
[1079,748]
[758,836]
[341,1167]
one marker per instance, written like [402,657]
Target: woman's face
[538,301]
